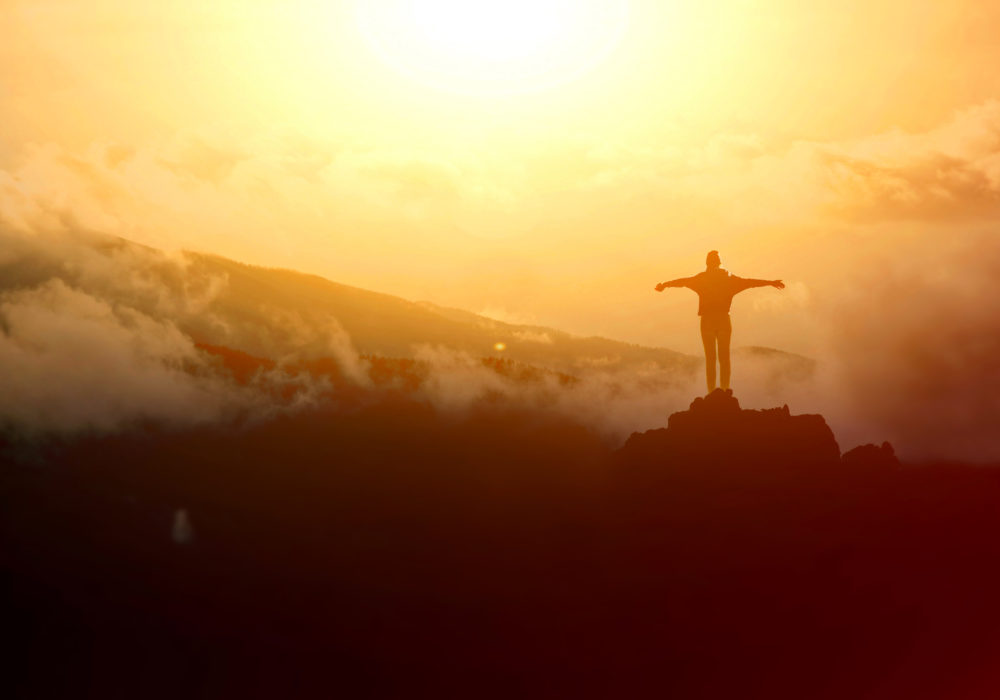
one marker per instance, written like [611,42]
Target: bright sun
[493,46]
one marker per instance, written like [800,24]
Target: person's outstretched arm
[680,282]
[744,283]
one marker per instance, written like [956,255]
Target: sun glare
[493,46]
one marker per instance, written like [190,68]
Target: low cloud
[914,352]
[541,337]
[613,403]
[97,334]
[74,362]
[507,316]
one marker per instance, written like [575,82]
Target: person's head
[712,260]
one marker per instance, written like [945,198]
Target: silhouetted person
[716,289]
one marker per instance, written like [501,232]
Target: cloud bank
[914,350]
[95,335]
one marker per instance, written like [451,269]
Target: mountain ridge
[387,325]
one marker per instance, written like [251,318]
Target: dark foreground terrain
[382,549]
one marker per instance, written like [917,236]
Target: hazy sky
[834,144]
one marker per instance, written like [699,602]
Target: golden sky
[823,143]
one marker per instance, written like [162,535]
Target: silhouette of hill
[379,547]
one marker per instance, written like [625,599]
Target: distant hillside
[263,304]
[266,302]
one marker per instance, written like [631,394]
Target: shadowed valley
[386,549]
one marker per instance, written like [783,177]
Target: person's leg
[708,340]
[724,332]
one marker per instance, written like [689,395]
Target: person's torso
[716,290]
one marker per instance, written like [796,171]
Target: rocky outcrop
[716,435]
[870,457]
